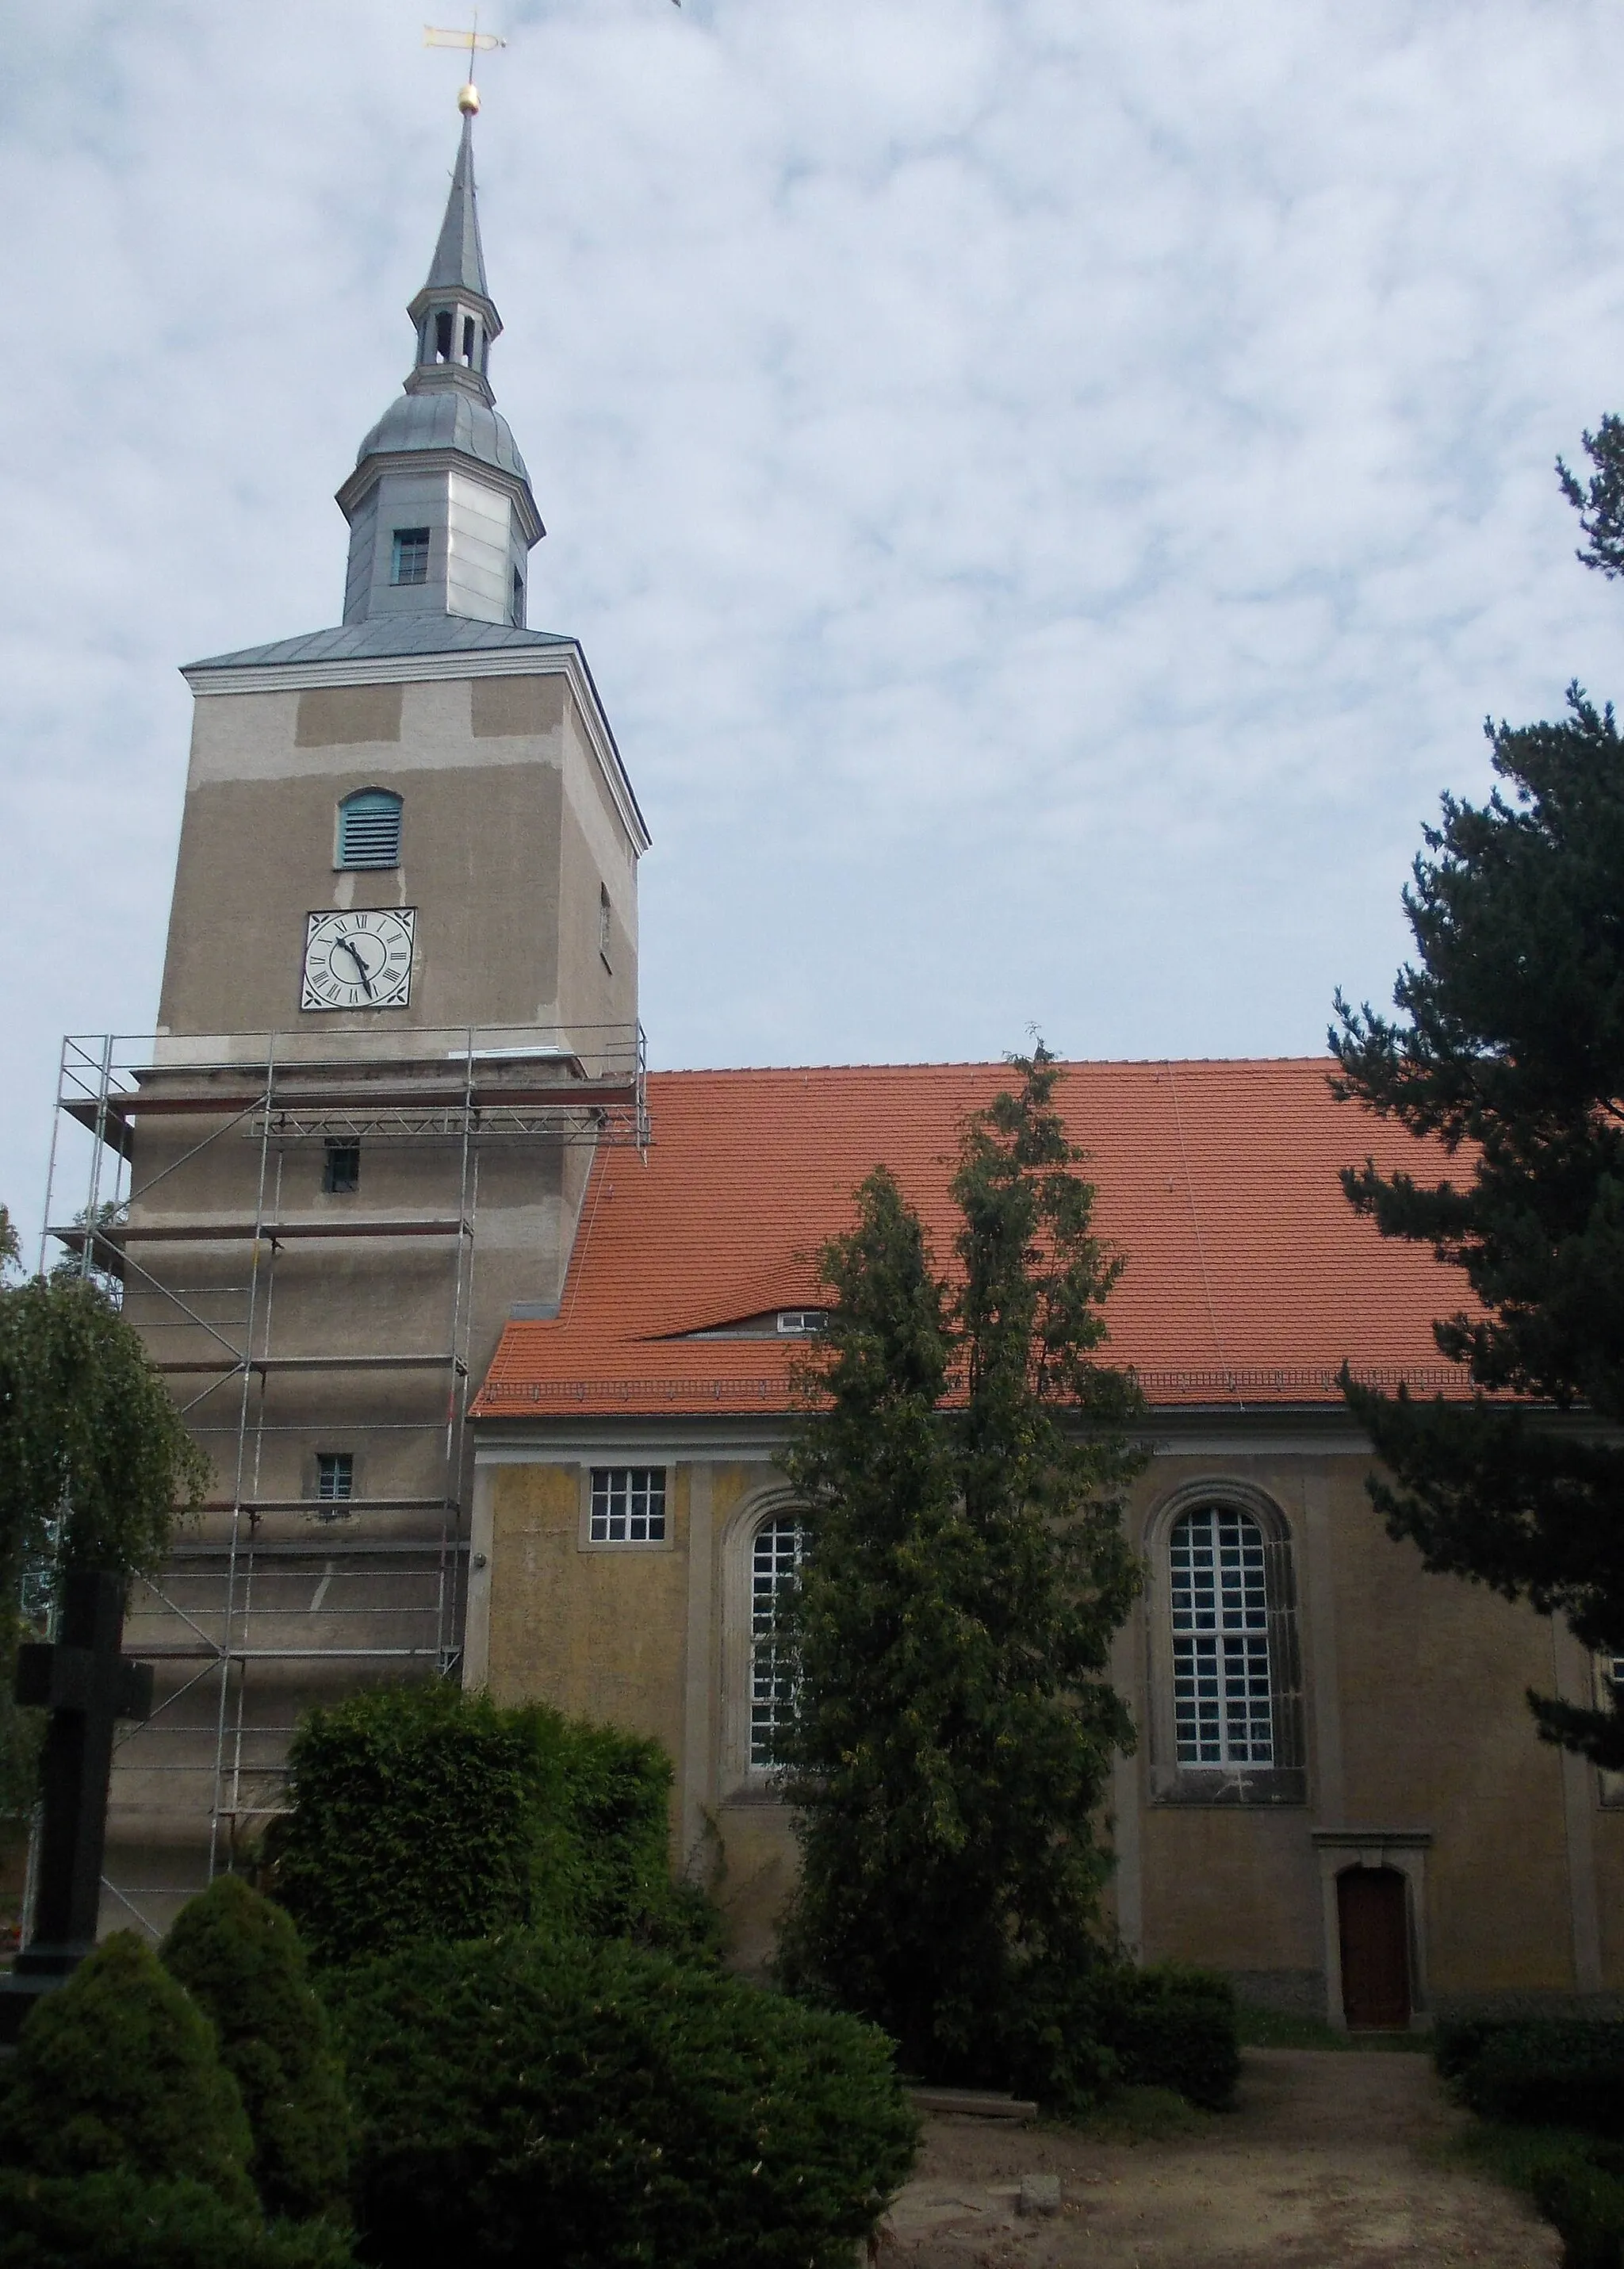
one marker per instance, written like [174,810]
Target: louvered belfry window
[369,828]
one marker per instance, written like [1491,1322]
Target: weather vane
[476,42]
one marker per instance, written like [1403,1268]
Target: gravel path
[1325,2161]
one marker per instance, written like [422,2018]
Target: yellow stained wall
[1419,1693]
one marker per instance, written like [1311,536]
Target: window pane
[628,1504]
[410,561]
[1223,1702]
[334,1474]
[773,1561]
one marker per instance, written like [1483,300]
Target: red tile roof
[1249,1277]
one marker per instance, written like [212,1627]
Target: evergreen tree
[1510,1050]
[962,1461]
[239,1958]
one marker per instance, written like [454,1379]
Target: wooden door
[1376,1948]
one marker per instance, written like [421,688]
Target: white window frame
[1223,1688]
[738,1779]
[772,1679]
[599,1511]
[1238,1774]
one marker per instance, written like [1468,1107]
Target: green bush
[1075,2035]
[116,2221]
[1549,2072]
[1458,2042]
[425,1814]
[1586,2203]
[117,2072]
[1169,2026]
[241,1960]
[633,2108]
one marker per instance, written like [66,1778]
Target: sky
[1049,491]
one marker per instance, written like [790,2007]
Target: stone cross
[88,1685]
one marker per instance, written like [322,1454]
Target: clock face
[359,959]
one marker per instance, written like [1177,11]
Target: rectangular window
[518,600]
[628,1504]
[410,562]
[603,921]
[369,828]
[340,1168]
[800,1323]
[335,1475]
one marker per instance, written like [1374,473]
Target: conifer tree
[239,1956]
[1509,1049]
[962,1461]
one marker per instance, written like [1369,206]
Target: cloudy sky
[1049,489]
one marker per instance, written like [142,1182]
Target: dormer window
[369,828]
[410,561]
[800,1323]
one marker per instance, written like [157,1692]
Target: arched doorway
[1373,1921]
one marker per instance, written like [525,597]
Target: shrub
[411,1819]
[1169,2026]
[117,2074]
[422,1813]
[1586,2203]
[1550,2072]
[1458,2042]
[241,1960]
[116,2221]
[634,2108]
[1076,2034]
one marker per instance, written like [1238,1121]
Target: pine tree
[962,1461]
[1510,1050]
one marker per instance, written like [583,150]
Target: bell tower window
[410,561]
[468,341]
[442,336]
[369,828]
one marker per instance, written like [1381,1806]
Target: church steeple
[441,510]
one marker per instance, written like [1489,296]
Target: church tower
[399,1014]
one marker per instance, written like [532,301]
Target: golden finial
[475,41]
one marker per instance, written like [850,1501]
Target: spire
[459,264]
[440,509]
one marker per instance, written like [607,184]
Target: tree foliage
[96,1465]
[963,1459]
[1509,1049]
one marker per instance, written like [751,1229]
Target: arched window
[775,1555]
[1223,1701]
[369,828]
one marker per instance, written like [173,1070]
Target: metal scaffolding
[283,1595]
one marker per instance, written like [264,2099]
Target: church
[489,1331]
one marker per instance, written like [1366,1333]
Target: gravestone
[88,1685]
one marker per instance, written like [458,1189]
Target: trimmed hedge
[241,1960]
[1171,2027]
[1074,2035]
[424,1814]
[634,2109]
[1547,2073]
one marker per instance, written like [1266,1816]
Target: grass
[1275,2029]
[1516,2157]
[1142,2114]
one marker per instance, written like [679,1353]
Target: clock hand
[366,982]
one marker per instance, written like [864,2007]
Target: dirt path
[1324,2162]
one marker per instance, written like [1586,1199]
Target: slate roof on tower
[1248,1279]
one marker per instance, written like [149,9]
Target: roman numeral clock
[360,959]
